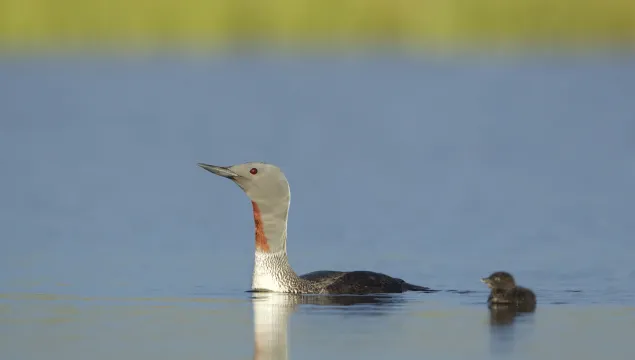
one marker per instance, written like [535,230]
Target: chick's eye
[253,171]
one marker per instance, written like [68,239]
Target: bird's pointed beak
[487,282]
[219,170]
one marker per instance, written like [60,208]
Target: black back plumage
[361,282]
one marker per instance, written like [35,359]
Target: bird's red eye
[253,171]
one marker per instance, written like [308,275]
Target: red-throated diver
[268,189]
[505,292]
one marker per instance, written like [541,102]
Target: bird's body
[268,189]
[360,282]
[505,292]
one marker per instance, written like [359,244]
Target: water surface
[440,171]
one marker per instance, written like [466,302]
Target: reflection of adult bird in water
[271,317]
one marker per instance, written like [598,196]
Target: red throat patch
[261,239]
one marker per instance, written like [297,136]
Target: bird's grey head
[263,183]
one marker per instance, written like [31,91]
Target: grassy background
[212,23]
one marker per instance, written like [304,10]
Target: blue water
[114,244]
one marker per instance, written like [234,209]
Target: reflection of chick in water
[271,316]
[502,314]
[505,292]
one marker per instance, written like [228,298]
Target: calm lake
[437,170]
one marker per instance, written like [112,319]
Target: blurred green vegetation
[210,23]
